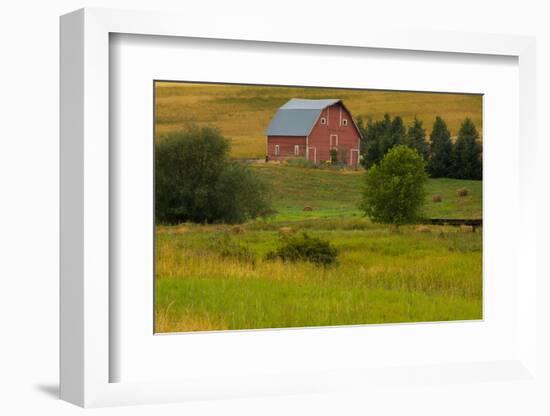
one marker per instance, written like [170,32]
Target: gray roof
[297,117]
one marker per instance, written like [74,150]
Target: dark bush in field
[195,180]
[240,194]
[305,248]
[394,188]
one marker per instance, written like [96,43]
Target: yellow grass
[191,321]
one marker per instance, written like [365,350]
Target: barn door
[312,154]
[354,157]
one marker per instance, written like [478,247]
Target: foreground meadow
[215,277]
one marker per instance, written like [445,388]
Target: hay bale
[462,192]
[308,208]
[237,229]
[466,228]
[423,229]
[437,198]
[286,231]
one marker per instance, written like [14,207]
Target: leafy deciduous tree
[195,180]
[394,189]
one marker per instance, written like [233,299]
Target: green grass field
[242,113]
[424,273]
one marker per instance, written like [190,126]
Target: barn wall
[348,137]
[286,146]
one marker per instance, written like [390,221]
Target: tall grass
[380,277]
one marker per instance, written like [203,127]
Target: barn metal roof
[297,117]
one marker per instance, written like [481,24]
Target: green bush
[302,163]
[305,248]
[225,246]
[394,188]
[195,180]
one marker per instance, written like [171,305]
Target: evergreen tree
[380,136]
[441,147]
[373,136]
[396,133]
[416,139]
[466,156]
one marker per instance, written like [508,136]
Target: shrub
[333,156]
[240,195]
[302,163]
[462,192]
[394,189]
[195,180]
[305,248]
[437,198]
[225,246]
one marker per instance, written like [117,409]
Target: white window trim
[336,141]
[277,150]
[323,120]
[345,122]
[296,150]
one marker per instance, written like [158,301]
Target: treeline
[444,159]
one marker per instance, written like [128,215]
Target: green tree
[398,133]
[466,155]
[394,190]
[195,180]
[416,139]
[441,147]
[379,137]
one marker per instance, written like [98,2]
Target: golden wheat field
[243,112]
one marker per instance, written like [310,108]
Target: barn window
[277,150]
[296,150]
[323,120]
[345,122]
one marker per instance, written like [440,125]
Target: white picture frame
[85,211]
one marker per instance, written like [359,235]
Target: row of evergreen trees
[445,159]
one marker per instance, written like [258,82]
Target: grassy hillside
[336,194]
[243,112]
[419,274]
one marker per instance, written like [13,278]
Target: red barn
[309,129]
